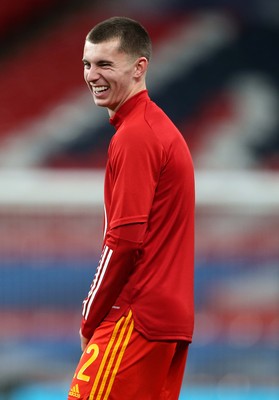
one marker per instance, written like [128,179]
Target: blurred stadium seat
[210,55]
[20,13]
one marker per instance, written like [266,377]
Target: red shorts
[120,364]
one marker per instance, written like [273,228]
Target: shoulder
[135,130]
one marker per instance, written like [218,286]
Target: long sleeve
[115,266]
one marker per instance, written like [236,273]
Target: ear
[141,67]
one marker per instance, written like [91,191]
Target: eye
[86,64]
[105,64]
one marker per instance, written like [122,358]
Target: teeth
[100,89]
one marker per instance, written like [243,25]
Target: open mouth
[99,89]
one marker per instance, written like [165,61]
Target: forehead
[104,50]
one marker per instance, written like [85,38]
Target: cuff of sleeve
[85,331]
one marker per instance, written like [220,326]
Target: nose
[92,74]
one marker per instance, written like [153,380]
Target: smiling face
[112,75]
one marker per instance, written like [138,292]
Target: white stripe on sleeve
[100,273]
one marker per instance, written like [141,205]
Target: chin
[100,103]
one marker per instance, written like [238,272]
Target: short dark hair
[134,39]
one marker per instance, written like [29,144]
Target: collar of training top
[128,106]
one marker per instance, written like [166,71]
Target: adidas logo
[74,392]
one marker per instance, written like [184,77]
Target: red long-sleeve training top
[147,264]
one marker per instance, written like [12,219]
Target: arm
[116,264]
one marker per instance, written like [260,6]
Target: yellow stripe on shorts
[113,355]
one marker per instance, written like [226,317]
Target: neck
[137,89]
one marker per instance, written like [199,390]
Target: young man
[138,315]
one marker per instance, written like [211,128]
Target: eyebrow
[100,62]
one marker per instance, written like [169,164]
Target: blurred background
[215,71]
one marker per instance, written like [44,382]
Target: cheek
[121,84]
